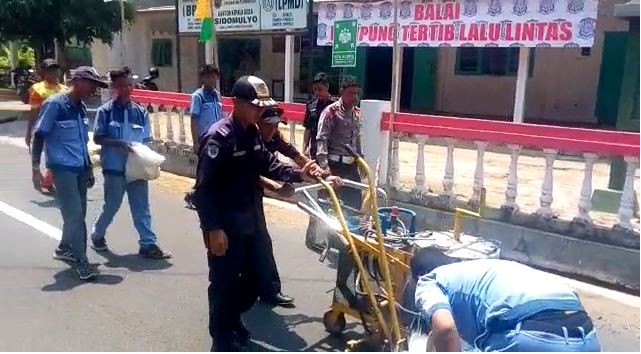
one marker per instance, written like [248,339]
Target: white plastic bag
[143,163]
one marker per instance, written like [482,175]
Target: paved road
[140,305]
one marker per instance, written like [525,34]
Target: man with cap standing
[340,125]
[62,129]
[231,159]
[274,142]
[119,124]
[39,92]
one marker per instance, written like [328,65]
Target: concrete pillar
[375,142]
[289,68]
[521,83]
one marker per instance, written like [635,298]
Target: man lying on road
[497,305]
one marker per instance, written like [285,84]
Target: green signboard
[344,47]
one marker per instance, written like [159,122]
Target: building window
[489,61]
[278,44]
[161,53]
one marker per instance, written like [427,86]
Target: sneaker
[189,200]
[99,245]
[85,271]
[153,252]
[63,255]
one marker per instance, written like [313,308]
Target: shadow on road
[333,343]
[50,203]
[274,332]
[134,262]
[67,280]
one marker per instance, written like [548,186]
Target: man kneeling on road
[119,123]
[497,305]
[274,142]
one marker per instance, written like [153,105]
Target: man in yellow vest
[39,93]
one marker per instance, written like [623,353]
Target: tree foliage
[39,22]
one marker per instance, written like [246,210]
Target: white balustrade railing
[512,153]
[477,190]
[626,210]
[512,180]
[420,175]
[448,176]
[547,189]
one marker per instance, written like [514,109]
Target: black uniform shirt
[279,144]
[312,115]
[229,165]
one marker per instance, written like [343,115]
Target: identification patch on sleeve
[212,150]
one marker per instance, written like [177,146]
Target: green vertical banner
[344,46]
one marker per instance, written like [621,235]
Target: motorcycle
[24,81]
[147,83]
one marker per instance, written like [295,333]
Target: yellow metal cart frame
[384,331]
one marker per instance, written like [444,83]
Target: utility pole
[123,57]
[211,46]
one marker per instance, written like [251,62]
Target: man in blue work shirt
[498,305]
[62,128]
[206,106]
[120,123]
[206,109]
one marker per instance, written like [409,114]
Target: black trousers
[270,278]
[234,279]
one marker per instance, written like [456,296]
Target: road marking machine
[373,248]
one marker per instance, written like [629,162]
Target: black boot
[242,333]
[278,299]
[225,342]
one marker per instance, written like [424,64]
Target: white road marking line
[627,299]
[32,221]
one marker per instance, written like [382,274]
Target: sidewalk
[11,110]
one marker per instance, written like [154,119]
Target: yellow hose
[357,259]
[373,202]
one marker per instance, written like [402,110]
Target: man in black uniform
[322,99]
[231,160]
[274,142]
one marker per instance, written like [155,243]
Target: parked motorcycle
[24,80]
[147,82]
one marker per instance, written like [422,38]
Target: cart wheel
[334,322]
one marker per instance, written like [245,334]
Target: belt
[577,324]
[341,158]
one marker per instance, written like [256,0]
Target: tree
[40,22]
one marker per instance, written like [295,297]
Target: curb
[8,119]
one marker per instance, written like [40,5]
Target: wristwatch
[35,165]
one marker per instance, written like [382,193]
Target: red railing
[530,135]
[294,112]
[541,136]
